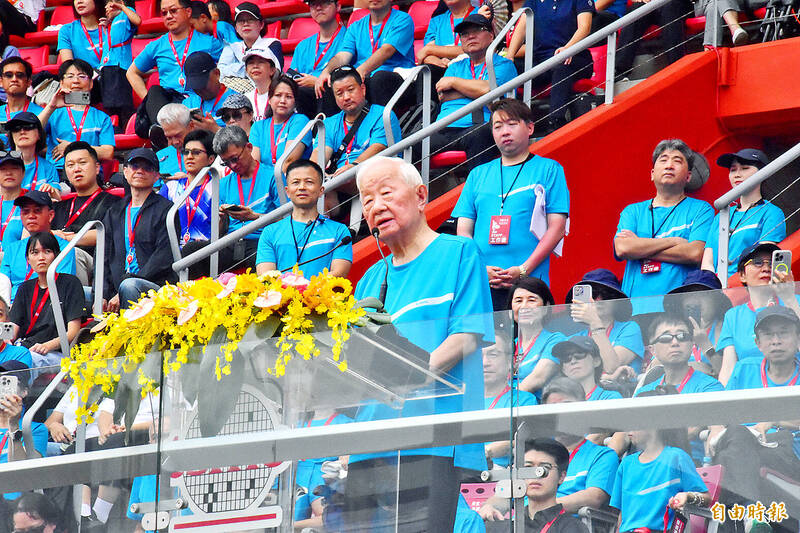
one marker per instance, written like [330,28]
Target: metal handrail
[426,115]
[348,175]
[318,124]
[723,205]
[27,419]
[178,203]
[499,38]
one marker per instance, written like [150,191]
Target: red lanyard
[78,129]
[517,358]
[330,42]
[8,106]
[764,379]
[575,451]
[273,144]
[456,37]
[327,422]
[497,398]
[73,215]
[91,42]
[221,92]
[7,220]
[472,68]
[185,49]
[35,315]
[35,173]
[190,211]
[608,330]
[589,394]
[350,145]
[259,115]
[180,161]
[685,380]
[546,527]
[380,32]
[132,228]
[3,442]
[252,186]
[509,35]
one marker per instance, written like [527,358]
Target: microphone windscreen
[376,232]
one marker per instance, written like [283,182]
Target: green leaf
[370,302]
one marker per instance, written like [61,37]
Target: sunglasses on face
[18,75]
[20,127]
[194,152]
[173,11]
[227,116]
[759,263]
[577,356]
[13,153]
[141,165]
[666,338]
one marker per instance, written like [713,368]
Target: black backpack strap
[332,164]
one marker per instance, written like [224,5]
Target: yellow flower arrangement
[176,318]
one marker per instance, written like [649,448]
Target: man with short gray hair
[662,239]
[438,295]
[175,122]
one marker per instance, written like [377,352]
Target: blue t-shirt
[283,134]
[72,36]
[627,335]
[642,490]
[279,245]
[698,382]
[11,352]
[170,161]
[439,293]
[482,197]
[542,348]
[158,54]
[120,53]
[40,171]
[15,264]
[521,398]
[467,520]
[554,23]
[441,29]
[309,51]
[6,115]
[599,393]
[747,375]
[463,68]
[97,129]
[200,228]
[261,196]
[398,32]
[40,436]
[763,221]
[11,228]
[738,330]
[131,219]
[209,107]
[689,220]
[226,32]
[591,466]
[370,132]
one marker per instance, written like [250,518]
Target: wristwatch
[522,271]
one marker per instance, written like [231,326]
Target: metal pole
[722,245]
[611,67]
[287,150]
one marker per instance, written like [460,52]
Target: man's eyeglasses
[666,338]
[233,160]
[20,127]
[235,114]
[31,529]
[141,165]
[194,152]
[577,356]
[79,77]
[18,75]
[759,263]
[172,11]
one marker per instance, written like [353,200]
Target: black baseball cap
[34,197]
[12,157]
[753,250]
[757,158]
[197,68]
[773,312]
[474,20]
[24,118]
[247,8]
[579,343]
[143,153]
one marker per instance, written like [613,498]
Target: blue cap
[143,153]
[757,158]
[474,20]
[773,312]
[698,280]
[753,250]
[601,277]
[16,368]
[34,197]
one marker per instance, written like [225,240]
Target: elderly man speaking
[439,299]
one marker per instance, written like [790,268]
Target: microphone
[344,242]
[384,286]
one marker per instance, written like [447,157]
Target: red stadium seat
[695,25]
[38,57]
[119,192]
[653,32]
[146,9]
[61,15]
[299,30]
[421,12]
[129,139]
[273,30]
[138,44]
[418,44]
[598,78]
[281,8]
[448,159]
[109,167]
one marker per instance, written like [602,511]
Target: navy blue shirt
[554,23]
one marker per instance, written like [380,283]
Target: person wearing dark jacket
[137,246]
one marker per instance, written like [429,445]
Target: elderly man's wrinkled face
[390,204]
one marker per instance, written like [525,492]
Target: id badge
[499,228]
[651,267]
[129,259]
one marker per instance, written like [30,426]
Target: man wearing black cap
[12,171]
[138,254]
[36,213]
[752,219]
[202,77]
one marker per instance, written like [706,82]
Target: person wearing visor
[26,136]
[250,26]
[236,110]
[202,77]
[736,340]
[262,69]
[138,256]
[580,360]
[753,219]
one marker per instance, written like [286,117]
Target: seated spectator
[198,153]
[246,193]
[12,172]
[203,22]
[26,136]
[376,45]
[466,79]
[66,123]
[138,256]
[15,79]
[9,351]
[176,121]
[285,125]
[35,512]
[32,315]
[497,360]
[312,54]
[442,42]
[744,449]
[168,54]
[250,26]
[82,38]
[202,77]
[261,66]
[662,238]
[89,203]
[700,299]
[36,213]
[220,11]
[501,223]
[752,220]
[609,321]
[236,110]
[721,14]
[11,410]
[580,360]
[529,301]
[755,270]
[305,234]
[659,476]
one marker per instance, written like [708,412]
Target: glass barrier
[592,350]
